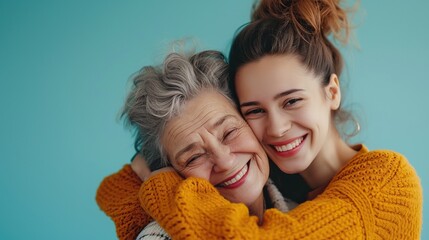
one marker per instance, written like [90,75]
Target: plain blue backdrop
[64,73]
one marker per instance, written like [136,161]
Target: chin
[291,169]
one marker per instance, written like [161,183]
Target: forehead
[202,113]
[274,66]
[272,74]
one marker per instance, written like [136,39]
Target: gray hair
[159,92]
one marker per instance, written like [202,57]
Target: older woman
[185,119]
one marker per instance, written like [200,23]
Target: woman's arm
[117,196]
[377,196]
[193,209]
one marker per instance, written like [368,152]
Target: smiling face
[288,109]
[209,139]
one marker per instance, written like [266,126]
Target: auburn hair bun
[309,16]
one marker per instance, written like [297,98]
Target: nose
[278,124]
[220,155]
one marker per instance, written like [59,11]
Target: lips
[289,148]
[237,179]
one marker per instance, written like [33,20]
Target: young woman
[286,78]
[184,114]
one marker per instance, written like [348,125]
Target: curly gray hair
[159,92]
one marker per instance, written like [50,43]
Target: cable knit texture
[377,195]
[117,196]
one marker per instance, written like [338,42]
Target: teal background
[64,72]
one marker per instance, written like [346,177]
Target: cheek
[312,117]
[306,118]
[203,171]
[246,142]
[252,145]
[309,112]
[257,128]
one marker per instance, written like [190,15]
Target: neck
[257,208]
[332,157]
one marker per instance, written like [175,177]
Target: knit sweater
[154,231]
[117,196]
[377,195]
[118,193]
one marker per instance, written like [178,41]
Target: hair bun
[270,9]
[308,16]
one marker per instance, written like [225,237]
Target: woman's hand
[140,167]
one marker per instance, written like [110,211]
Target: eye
[253,112]
[229,134]
[291,102]
[192,159]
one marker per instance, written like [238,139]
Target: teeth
[236,178]
[289,146]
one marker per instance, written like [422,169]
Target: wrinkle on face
[210,140]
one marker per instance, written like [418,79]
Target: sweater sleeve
[392,188]
[353,206]
[117,196]
[194,209]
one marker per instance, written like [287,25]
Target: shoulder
[379,159]
[376,161]
[119,185]
[376,168]
[384,162]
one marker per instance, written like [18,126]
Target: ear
[333,92]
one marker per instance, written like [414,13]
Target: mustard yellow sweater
[376,196]
[118,197]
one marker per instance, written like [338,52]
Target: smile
[235,180]
[289,146]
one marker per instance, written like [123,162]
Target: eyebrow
[222,120]
[194,145]
[282,94]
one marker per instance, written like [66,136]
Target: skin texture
[140,167]
[210,140]
[287,108]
